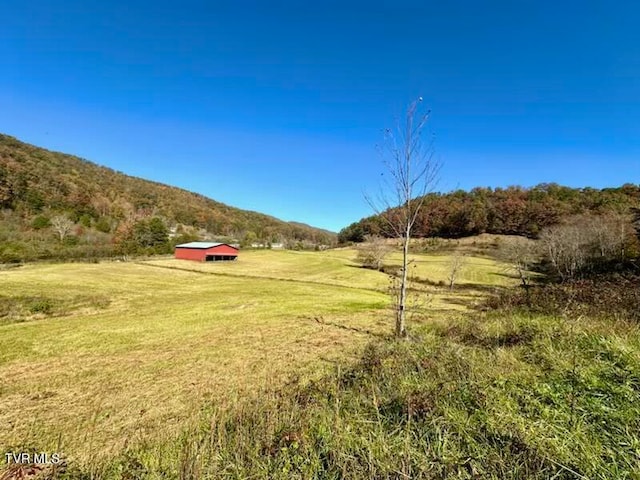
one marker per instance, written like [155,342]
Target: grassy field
[338,267]
[497,395]
[97,357]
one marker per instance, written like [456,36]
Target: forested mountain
[96,211]
[511,211]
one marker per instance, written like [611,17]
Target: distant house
[276,246]
[206,251]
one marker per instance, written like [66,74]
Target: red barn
[206,251]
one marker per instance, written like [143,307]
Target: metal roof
[201,245]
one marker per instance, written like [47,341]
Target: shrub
[103,225]
[372,253]
[40,222]
[586,244]
[85,220]
[613,296]
[14,252]
[41,305]
[71,240]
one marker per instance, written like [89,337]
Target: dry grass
[333,267]
[175,334]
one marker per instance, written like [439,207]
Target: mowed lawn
[339,267]
[165,335]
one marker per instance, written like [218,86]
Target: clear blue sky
[278,106]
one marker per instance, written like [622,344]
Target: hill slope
[37,185]
[511,211]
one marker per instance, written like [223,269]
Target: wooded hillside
[512,211]
[95,211]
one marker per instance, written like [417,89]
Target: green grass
[339,267]
[101,359]
[96,356]
[333,268]
[169,340]
[258,369]
[496,396]
[249,369]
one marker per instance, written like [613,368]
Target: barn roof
[202,245]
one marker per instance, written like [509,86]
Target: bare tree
[456,265]
[586,243]
[413,172]
[372,252]
[519,254]
[62,226]
[610,234]
[566,247]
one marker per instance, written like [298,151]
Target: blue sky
[278,106]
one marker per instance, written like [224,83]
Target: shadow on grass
[464,287]
[261,277]
[511,276]
[463,301]
[393,271]
[322,322]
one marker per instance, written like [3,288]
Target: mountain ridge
[37,184]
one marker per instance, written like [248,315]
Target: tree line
[511,211]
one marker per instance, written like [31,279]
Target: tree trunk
[401,330]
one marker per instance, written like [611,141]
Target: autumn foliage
[45,197]
[511,211]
